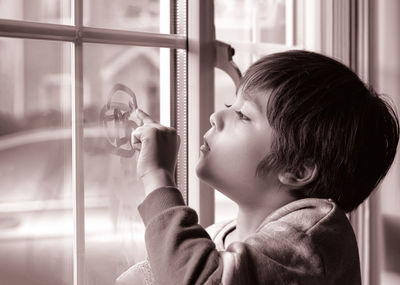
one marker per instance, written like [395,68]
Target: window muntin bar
[11,28]
[32,30]
[94,35]
[77,166]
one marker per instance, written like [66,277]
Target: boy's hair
[322,114]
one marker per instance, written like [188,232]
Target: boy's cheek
[225,169]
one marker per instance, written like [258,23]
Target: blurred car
[36,216]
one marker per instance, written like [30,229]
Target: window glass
[250,20]
[48,11]
[36,221]
[134,15]
[114,229]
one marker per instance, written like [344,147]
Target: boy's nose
[212,119]
[215,121]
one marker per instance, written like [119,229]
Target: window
[67,205]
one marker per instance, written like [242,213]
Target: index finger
[144,117]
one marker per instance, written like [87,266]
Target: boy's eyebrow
[250,100]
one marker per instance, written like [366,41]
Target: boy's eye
[241,116]
[238,113]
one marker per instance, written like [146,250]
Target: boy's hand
[158,148]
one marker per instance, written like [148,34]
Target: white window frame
[77,34]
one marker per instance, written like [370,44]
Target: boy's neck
[250,217]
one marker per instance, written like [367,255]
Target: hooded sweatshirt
[308,241]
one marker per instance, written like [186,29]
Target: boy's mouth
[205,147]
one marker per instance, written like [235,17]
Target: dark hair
[322,114]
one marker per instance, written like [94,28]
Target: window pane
[134,15]
[36,222]
[250,21]
[114,230]
[48,11]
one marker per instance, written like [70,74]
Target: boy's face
[239,138]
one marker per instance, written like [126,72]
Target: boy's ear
[300,178]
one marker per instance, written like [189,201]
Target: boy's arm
[179,249]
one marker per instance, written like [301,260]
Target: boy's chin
[203,172]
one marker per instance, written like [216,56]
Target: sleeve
[138,274]
[180,251]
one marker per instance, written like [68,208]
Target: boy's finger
[141,134]
[144,117]
[137,146]
[136,135]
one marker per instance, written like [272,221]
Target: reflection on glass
[250,21]
[134,15]
[47,11]
[112,190]
[36,222]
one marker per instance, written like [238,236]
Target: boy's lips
[205,147]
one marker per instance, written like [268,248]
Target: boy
[304,142]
